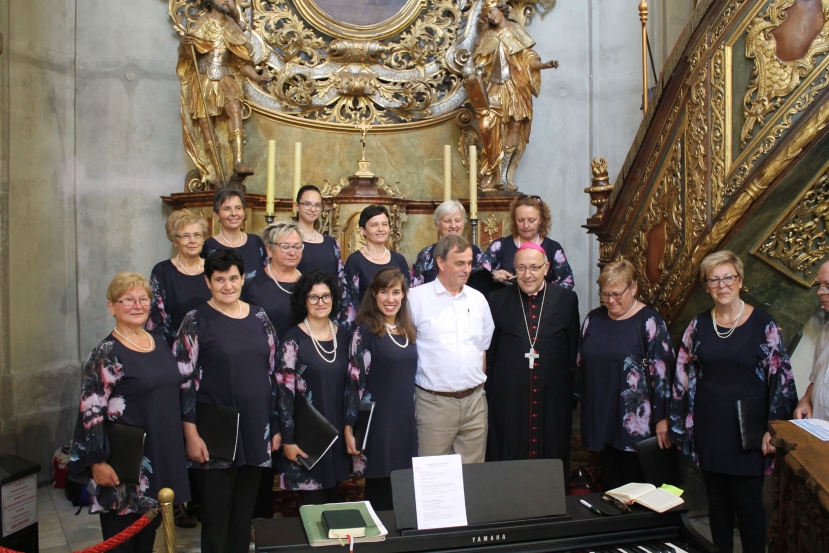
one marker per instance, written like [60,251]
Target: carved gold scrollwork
[493,228]
[799,242]
[329,190]
[468,138]
[696,137]
[719,121]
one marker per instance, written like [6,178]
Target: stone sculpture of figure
[215,86]
[511,69]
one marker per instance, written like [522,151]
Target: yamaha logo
[487,539]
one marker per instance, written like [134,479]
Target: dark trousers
[112,523]
[264,496]
[619,468]
[731,496]
[378,493]
[228,499]
[320,497]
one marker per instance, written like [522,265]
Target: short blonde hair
[617,271]
[182,218]
[275,231]
[124,282]
[714,260]
[447,207]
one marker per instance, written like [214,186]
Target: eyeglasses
[314,299]
[286,247]
[728,280]
[129,302]
[820,288]
[309,205]
[615,295]
[187,237]
[532,268]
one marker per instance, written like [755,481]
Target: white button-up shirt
[820,376]
[453,332]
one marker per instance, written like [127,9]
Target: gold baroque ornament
[407,67]
[799,242]
[774,79]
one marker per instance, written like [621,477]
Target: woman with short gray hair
[450,218]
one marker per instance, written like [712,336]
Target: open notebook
[647,495]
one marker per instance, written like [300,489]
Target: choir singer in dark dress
[450,218]
[533,353]
[622,404]
[313,362]
[229,209]
[225,352]
[130,378]
[383,363]
[733,352]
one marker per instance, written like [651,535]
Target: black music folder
[660,466]
[753,417]
[501,491]
[126,457]
[363,424]
[218,426]
[313,434]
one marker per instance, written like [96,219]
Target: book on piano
[344,523]
[363,424]
[317,531]
[647,495]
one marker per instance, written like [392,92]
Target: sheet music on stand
[438,487]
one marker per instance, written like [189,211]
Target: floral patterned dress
[253,253]
[425,268]
[137,389]
[712,373]
[174,295]
[501,255]
[383,372]
[611,382]
[302,370]
[226,361]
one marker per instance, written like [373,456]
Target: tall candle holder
[474,224]
[269,217]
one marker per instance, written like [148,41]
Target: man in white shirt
[815,402]
[454,328]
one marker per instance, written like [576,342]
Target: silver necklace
[152,342]
[268,268]
[242,237]
[239,314]
[318,346]
[635,302]
[183,268]
[733,327]
[532,355]
[392,328]
[385,251]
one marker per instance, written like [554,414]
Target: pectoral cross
[531,356]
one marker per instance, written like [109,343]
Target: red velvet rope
[115,540]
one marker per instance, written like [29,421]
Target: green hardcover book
[317,531]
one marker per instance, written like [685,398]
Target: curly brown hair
[531,201]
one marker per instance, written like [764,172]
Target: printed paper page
[439,497]
[816,427]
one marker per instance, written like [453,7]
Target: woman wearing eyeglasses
[229,208]
[130,378]
[178,283]
[623,376]
[734,352]
[450,218]
[321,252]
[313,364]
[530,222]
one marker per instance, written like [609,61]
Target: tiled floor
[62,531]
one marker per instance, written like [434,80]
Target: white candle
[297,171]
[473,182]
[447,172]
[269,191]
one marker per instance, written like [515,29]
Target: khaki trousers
[447,425]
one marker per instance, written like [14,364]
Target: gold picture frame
[324,22]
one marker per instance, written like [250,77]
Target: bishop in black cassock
[530,388]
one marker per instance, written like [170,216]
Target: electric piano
[580,531]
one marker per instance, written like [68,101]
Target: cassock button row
[533,316]
[535,365]
[535,390]
[535,403]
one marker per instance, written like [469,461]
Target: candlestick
[447,173]
[297,171]
[269,191]
[473,182]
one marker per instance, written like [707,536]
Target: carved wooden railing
[730,154]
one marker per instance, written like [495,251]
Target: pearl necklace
[152,342]
[390,329]
[635,302]
[239,314]
[242,237]
[385,251]
[318,346]
[733,327]
[536,240]
[183,268]
[268,269]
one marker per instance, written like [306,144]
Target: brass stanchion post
[643,17]
[165,497]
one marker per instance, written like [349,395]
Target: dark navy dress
[359,272]
[501,255]
[253,253]
[301,369]
[261,290]
[174,295]
[324,256]
[384,373]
